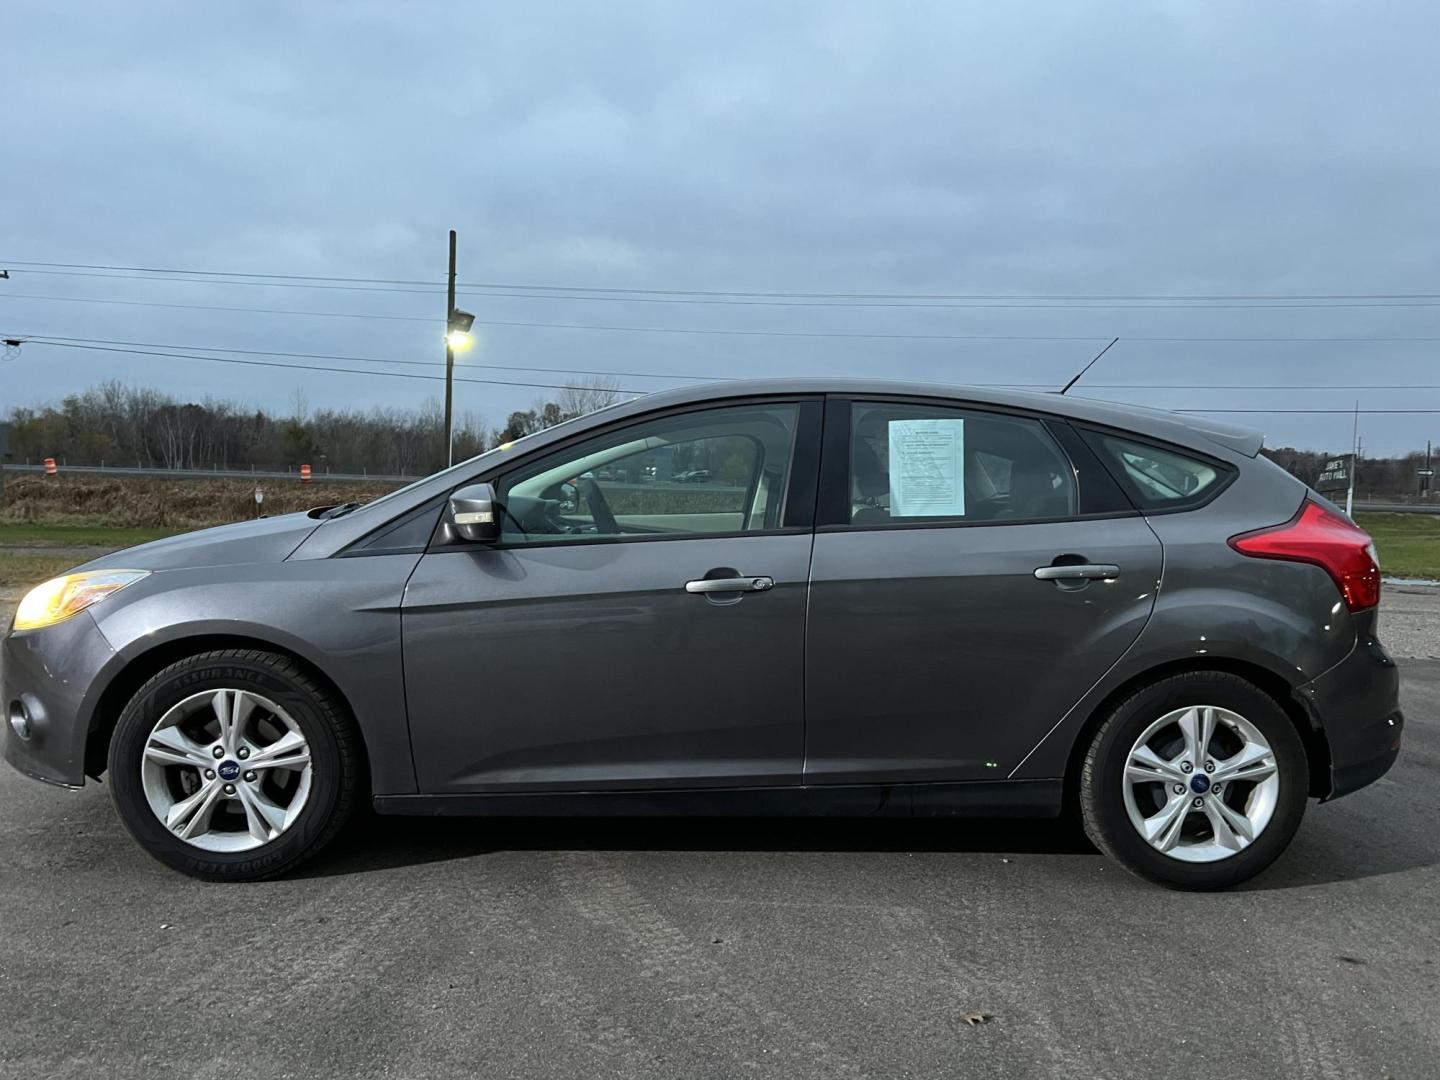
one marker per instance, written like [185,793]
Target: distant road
[1396,508]
[260,474]
[211,474]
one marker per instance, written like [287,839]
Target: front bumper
[46,676]
[1357,706]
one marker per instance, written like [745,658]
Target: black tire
[1102,805]
[335,752]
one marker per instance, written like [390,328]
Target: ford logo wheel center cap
[230,770]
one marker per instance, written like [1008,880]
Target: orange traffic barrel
[50,469]
[304,474]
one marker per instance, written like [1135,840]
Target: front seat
[872,480]
[1034,493]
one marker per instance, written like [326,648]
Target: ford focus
[759,598]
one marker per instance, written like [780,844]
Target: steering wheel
[605,522]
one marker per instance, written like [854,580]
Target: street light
[457,334]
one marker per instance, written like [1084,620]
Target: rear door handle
[730,584]
[1103,571]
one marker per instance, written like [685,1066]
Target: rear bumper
[1377,753]
[45,676]
[1356,704]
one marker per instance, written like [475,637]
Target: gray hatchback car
[760,598]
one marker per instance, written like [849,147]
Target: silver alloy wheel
[226,770]
[1201,783]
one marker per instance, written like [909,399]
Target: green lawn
[22,571]
[24,567]
[1409,544]
[23,534]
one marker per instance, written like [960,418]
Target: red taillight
[1319,536]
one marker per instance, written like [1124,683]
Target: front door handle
[730,584]
[1088,571]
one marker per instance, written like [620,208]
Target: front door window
[706,473]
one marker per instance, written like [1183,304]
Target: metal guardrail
[271,474]
[212,474]
[262,474]
[1397,508]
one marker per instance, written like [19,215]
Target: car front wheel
[1198,781]
[234,765]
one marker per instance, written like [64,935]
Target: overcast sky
[879,148]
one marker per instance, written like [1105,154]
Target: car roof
[1184,429]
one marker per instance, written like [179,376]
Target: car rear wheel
[234,765]
[1198,781]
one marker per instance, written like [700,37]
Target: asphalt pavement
[595,948]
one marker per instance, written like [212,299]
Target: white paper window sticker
[927,468]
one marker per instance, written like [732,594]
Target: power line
[581,326]
[57,338]
[334,370]
[1039,304]
[223,273]
[755,294]
[787,333]
[49,339]
[641,329]
[151,348]
[429,291]
[215,307]
[720,331]
[632,390]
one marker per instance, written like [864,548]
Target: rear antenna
[1088,366]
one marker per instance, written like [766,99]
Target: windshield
[456,468]
[468,465]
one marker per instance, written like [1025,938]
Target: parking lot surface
[1410,621]
[419,948]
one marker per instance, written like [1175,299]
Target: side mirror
[473,514]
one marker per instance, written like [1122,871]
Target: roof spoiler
[1242,440]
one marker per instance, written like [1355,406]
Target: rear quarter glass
[1161,478]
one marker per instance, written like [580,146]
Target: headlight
[61,597]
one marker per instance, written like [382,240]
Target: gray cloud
[909,147]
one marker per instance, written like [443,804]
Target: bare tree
[594,393]
[469,435]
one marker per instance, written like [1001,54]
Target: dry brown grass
[162,502]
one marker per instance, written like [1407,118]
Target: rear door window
[920,463]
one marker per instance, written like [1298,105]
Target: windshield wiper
[340,510]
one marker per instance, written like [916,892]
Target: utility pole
[450,359]
[1354,461]
[457,336]
[12,349]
